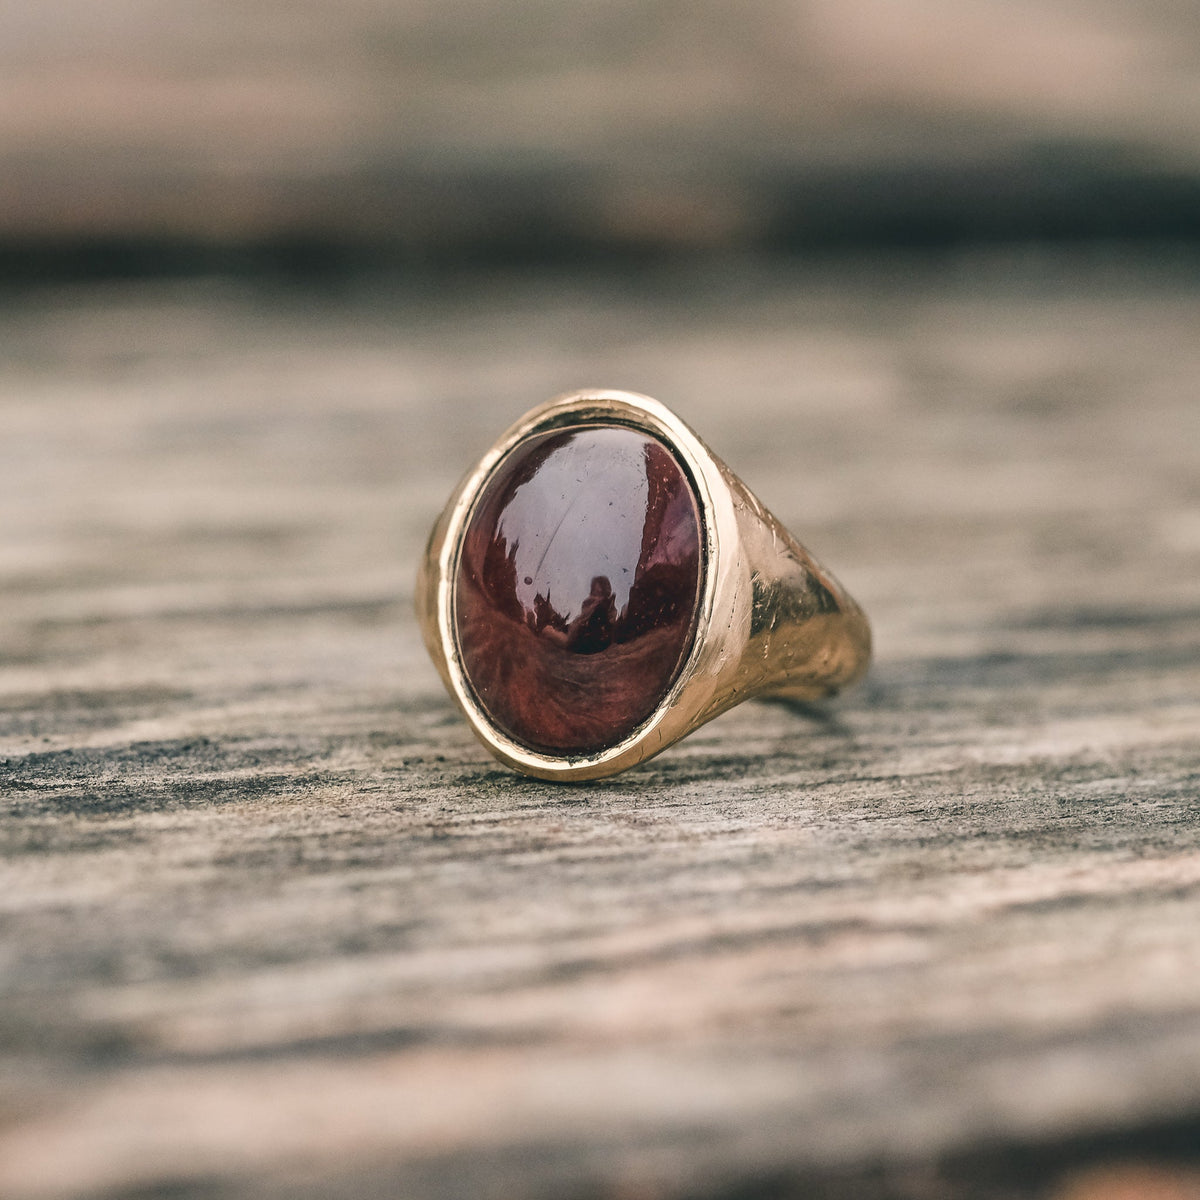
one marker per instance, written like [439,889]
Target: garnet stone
[578,587]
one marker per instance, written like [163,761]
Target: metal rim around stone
[577,409]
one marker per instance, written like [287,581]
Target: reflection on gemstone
[578,587]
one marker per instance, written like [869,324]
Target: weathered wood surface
[273,924]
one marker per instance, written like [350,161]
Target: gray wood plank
[272,923]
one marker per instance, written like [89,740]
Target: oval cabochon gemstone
[578,587]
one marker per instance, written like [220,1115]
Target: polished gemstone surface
[578,587]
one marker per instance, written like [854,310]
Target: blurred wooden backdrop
[464,125]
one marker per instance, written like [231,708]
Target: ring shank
[806,638]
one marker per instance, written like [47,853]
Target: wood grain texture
[272,924]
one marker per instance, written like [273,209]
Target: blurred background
[156,136]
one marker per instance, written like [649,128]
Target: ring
[601,585]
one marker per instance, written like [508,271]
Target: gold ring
[601,584]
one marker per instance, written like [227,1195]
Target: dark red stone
[578,587]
